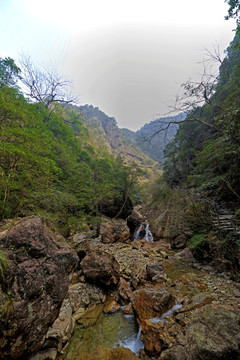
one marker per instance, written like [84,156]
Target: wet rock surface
[151,302]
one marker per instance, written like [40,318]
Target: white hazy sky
[128,57]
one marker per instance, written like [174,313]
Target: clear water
[110,331]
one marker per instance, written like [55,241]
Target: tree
[45,85]
[234,8]
[9,72]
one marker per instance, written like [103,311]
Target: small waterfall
[149,235]
[169,312]
[136,236]
[134,343]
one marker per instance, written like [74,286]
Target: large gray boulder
[213,333]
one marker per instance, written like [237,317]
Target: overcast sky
[128,57]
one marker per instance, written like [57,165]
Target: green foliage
[206,158]
[48,163]
[9,72]
[234,8]
[197,241]
[200,247]
[3,264]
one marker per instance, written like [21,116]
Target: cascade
[149,235]
[169,312]
[136,236]
[134,343]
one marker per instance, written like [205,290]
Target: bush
[3,264]
[199,246]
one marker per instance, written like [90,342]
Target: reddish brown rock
[114,230]
[150,337]
[127,310]
[101,267]
[124,292]
[35,285]
[151,302]
[112,307]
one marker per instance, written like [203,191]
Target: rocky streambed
[109,298]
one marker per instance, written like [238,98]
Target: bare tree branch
[45,85]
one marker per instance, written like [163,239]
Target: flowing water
[110,331]
[136,236]
[149,235]
[168,313]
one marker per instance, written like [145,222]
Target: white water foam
[133,343]
[169,312]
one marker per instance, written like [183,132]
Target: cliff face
[141,146]
[105,132]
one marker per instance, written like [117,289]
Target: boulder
[127,309]
[151,339]
[49,354]
[116,207]
[36,282]
[114,230]
[155,272]
[80,237]
[213,333]
[197,302]
[101,268]
[186,255]
[179,242]
[151,302]
[62,328]
[83,294]
[124,292]
[160,334]
[111,307]
[176,352]
[134,220]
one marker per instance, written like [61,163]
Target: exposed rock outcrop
[151,302]
[34,287]
[134,220]
[213,333]
[101,268]
[114,230]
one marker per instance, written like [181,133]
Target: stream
[110,331]
[119,330]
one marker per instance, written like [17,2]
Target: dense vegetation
[200,188]
[204,154]
[48,164]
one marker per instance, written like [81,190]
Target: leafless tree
[194,94]
[45,85]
